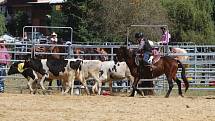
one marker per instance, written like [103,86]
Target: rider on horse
[144,47]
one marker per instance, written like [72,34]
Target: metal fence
[200,70]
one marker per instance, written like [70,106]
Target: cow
[180,51]
[29,74]
[88,69]
[111,70]
[55,69]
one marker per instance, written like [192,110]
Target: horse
[165,65]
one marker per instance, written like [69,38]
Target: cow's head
[75,64]
[27,63]
[16,68]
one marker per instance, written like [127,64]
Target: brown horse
[166,65]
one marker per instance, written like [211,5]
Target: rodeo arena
[104,81]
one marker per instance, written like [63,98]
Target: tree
[20,20]
[76,12]
[192,19]
[57,18]
[111,18]
[2,24]
[96,20]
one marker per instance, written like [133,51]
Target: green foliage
[2,24]
[57,19]
[20,20]
[110,18]
[76,11]
[192,19]
[107,20]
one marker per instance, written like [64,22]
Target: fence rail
[201,70]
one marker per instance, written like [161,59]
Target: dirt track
[25,107]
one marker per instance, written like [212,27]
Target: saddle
[156,59]
[138,59]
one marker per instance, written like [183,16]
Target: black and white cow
[29,74]
[111,70]
[88,69]
[55,69]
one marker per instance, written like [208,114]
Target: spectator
[104,56]
[4,57]
[25,38]
[165,39]
[96,51]
[53,38]
[78,51]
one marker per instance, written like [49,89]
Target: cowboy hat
[54,34]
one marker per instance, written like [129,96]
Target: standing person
[53,38]
[165,39]
[104,56]
[144,46]
[4,57]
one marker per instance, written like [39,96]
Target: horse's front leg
[134,86]
[170,87]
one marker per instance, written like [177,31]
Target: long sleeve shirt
[165,38]
[141,44]
[145,45]
[4,56]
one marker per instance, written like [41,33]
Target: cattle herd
[69,70]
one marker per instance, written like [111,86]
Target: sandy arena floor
[26,107]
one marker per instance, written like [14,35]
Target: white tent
[57,1]
[8,38]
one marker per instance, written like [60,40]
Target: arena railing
[201,62]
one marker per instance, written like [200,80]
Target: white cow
[88,69]
[114,71]
[180,51]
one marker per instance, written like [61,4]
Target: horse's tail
[183,75]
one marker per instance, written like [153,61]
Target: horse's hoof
[131,96]
[182,95]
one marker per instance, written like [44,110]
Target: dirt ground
[26,107]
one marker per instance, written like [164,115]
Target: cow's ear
[27,60]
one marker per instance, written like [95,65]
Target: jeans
[146,56]
[165,49]
[2,78]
